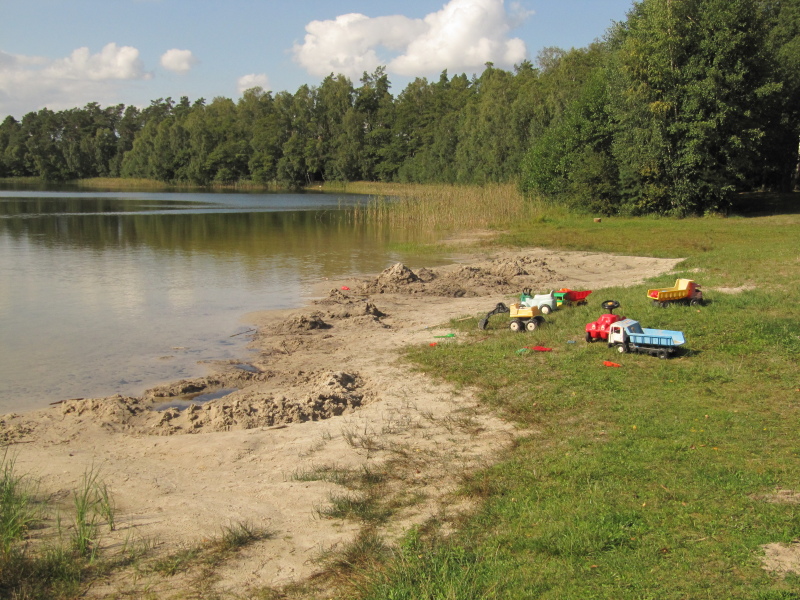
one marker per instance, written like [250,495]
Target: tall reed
[441,207]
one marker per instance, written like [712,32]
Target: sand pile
[322,395]
[497,276]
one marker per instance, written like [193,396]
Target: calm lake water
[108,292]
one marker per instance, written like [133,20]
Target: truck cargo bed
[657,337]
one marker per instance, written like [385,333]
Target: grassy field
[653,480]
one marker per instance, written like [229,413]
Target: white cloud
[348,44]
[462,36]
[112,62]
[252,80]
[30,82]
[16,61]
[178,61]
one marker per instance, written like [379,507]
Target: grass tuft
[17,509]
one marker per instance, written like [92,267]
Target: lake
[114,292]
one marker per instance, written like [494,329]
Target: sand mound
[312,397]
[300,323]
[497,276]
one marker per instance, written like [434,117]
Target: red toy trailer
[568,296]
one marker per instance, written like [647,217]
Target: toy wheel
[622,348]
[516,325]
[589,338]
[694,302]
[610,305]
[546,310]
[532,325]
[662,354]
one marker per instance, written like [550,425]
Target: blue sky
[65,53]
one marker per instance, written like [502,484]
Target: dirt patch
[782,558]
[325,393]
[780,497]
[735,290]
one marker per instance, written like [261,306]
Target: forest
[675,111]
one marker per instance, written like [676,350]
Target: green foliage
[689,115]
[690,81]
[571,161]
[452,130]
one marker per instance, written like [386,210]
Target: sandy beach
[325,390]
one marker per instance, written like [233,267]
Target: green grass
[18,512]
[35,566]
[644,481]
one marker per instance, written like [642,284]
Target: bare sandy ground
[325,393]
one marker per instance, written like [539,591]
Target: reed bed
[441,207]
[121,184]
[124,184]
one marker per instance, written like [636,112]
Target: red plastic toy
[570,297]
[599,329]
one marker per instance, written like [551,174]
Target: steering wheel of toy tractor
[610,305]
[526,291]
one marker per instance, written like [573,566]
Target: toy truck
[685,291]
[628,336]
[546,303]
[568,297]
[522,317]
[598,330]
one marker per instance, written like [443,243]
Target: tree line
[679,107]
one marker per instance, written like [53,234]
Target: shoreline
[329,394]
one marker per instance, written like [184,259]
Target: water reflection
[110,293]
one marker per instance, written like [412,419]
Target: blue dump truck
[628,336]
